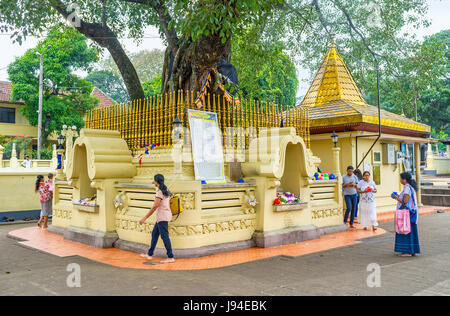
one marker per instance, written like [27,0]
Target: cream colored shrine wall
[442,165]
[322,149]
[17,190]
[390,174]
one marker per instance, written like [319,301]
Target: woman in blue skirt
[408,245]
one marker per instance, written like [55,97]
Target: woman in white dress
[367,206]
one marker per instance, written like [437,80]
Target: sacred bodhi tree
[199,33]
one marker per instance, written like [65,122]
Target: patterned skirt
[46,208]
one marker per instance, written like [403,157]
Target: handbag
[175,205]
[402,220]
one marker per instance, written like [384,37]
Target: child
[46,200]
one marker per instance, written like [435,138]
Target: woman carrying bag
[163,217]
[407,245]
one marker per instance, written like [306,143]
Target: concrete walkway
[338,271]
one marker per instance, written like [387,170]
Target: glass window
[7,115]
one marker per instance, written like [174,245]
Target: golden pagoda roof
[343,112]
[332,82]
[334,99]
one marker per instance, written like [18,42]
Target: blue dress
[409,243]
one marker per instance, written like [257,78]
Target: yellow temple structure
[336,105]
[265,151]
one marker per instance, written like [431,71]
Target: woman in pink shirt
[45,196]
[163,217]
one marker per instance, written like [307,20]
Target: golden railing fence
[149,121]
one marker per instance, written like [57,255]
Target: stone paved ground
[339,271]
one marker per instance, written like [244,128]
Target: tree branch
[352,26]
[297,11]
[105,37]
[164,19]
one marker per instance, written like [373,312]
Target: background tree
[66,96]
[199,33]
[109,83]
[148,64]
[152,87]
[434,102]
[419,82]
[264,75]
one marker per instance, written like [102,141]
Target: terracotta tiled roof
[5,91]
[5,94]
[105,100]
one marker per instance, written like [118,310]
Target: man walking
[349,182]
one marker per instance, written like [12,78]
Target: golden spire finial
[332,36]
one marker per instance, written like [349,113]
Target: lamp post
[60,154]
[336,159]
[41,79]
[177,129]
[177,147]
[334,138]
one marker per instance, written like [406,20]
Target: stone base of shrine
[294,234]
[187,252]
[274,238]
[86,236]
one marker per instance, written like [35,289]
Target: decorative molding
[99,185]
[62,214]
[166,171]
[121,203]
[190,230]
[318,214]
[249,202]
[187,200]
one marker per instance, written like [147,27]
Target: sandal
[146,256]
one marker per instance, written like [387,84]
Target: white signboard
[206,146]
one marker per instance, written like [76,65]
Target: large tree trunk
[105,37]
[186,66]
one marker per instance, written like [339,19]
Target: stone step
[436,199]
[435,190]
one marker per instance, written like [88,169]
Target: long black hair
[358,173]
[159,178]
[407,176]
[38,182]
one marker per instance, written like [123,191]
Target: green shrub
[22,143]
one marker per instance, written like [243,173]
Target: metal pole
[41,74]
[379,120]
